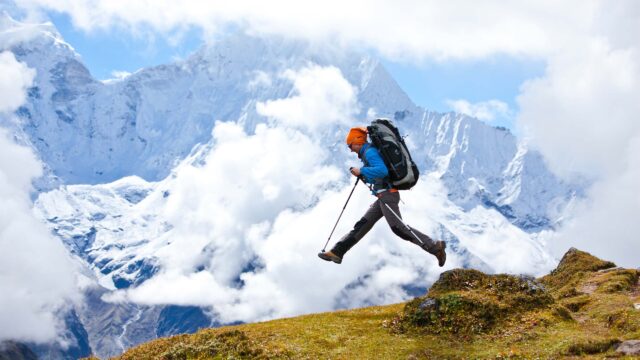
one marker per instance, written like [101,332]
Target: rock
[629,347]
[637,306]
[468,301]
[592,347]
[428,303]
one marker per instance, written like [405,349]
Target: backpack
[403,172]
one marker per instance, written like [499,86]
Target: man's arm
[376,169]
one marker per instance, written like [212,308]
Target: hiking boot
[439,253]
[330,256]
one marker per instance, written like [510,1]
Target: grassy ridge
[583,310]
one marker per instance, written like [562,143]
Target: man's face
[355,147]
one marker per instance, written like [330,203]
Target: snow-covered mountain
[125,156]
[95,132]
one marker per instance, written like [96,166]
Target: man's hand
[355,171]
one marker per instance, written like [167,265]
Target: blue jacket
[374,170]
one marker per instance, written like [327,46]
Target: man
[375,172]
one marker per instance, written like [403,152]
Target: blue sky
[430,84]
[115,49]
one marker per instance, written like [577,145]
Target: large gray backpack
[403,172]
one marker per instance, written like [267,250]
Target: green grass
[470,316]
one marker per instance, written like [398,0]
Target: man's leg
[360,229]
[391,212]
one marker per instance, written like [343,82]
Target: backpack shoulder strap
[363,154]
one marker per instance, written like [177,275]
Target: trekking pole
[345,206]
[403,223]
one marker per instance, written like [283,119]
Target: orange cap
[357,136]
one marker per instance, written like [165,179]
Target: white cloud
[224,211]
[408,29]
[606,224]
[323,97]
[254,259]
[261,80]
[120,74]
[15,78]
[582,115]
[218,234]
[36,274]
[487,111]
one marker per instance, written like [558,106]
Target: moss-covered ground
[582,310]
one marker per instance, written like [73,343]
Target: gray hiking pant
[376,211]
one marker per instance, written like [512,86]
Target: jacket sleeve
[376,169]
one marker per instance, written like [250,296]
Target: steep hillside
[586,308]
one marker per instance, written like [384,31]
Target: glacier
[124,156]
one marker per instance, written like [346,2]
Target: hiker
[375,172]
